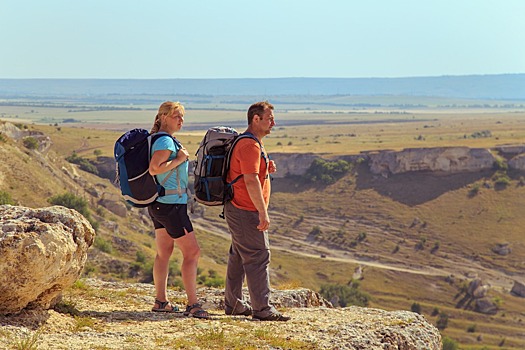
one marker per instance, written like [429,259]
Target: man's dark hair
[258,108]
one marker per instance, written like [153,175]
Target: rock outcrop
[502,248]
[518,289]
[439,159]
[478,291]
[42,252]
[124,321]
[517,162]
[15,133]
[292,163]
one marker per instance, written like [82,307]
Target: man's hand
[272,168]
[264,221]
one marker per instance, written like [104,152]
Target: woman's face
[175,120]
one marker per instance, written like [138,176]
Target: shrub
[346,295]
[435,311]
[481,134]
[140,257]
[416,308]
[315,232]
[500,164]
[71,201]
[5,198]
[327,172]
[442,321]
[84,163]
[474,190]
[30,142]
[449,344]
[103,245]
[501,179]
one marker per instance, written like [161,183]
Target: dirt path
[455,265]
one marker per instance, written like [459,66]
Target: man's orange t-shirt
[246,159]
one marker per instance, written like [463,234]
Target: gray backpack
[213,163]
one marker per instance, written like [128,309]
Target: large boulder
[518,289]
[477,289]
[43,252]
[486,306]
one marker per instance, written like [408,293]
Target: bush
[71,201]
[327,172]
[30,142]
[84,163]
[481,134]
[103,245]
[442,321]
[5,198]
[500,164]
[212,280]
[449,344]
[416,308]
[346,295]
[501,179]
[474,190]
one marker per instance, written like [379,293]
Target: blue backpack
[132,154]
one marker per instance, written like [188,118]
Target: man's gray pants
[249,256]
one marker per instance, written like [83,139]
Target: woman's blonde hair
[166,108]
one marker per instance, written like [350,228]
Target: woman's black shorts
[173,217]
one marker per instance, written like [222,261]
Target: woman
[169,213]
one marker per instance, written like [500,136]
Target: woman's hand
[183,155]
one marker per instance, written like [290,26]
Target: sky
[166,39]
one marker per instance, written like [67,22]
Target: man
[248,220]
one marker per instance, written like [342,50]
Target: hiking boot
[276,316]
[246,312]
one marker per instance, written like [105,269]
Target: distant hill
[502,86]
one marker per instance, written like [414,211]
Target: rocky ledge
[108,315]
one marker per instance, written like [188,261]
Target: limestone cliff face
[439,159]
[517,162]
[42,252]
[292,163]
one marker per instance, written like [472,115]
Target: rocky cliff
[445,160]
[439,159]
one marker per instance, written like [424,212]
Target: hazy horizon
[503,86]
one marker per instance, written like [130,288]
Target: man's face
[266,121]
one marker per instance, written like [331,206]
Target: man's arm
[253,186]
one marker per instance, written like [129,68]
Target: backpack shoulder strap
[244,135]
[152,140]
[250,135]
